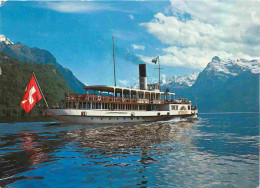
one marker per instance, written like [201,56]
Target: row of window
[175,107]
[108,106]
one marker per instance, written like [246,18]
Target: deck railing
[156,101]
[76,97]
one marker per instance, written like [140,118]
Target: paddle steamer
[112,104]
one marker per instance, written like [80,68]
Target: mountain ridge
[225,86]
[24,53]
[181,81]
[216,69]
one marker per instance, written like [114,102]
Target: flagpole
[40,90]
[114,62]
[159,74]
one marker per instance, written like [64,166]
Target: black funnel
[142,70]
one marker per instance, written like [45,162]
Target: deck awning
[100,88]
[105,88]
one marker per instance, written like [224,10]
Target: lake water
[217,150]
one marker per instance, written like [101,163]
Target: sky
[185,34]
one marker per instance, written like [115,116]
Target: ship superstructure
[112,104]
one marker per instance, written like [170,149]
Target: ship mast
[158,59]
[114,62]
[159,74]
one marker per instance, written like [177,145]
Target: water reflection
[12,163]
[33,149]
[26,151]
[126,145]
[160,154]
[130,136]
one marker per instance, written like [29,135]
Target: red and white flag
[31,95]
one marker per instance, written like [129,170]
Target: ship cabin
[103,97]
[148,97]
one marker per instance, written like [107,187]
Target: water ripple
[210,152]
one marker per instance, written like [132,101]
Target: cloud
[187,57]
[138,47]
[79,7]
[124,82]
[198,30]
[131,17]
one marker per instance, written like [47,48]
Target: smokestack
[142,77]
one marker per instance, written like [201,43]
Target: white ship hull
[79,116]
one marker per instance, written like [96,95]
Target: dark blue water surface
[217,150]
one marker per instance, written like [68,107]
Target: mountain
[230,67]
[15,75]
[219,71]
[175,82]
[225,86]
[24,53]
[135,86]
[180,81]
[5,40]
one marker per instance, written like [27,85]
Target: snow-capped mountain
[230,85]
[5,40]
[230,67]
[220,71]
[174,82]
[181,81]
[135,86]
[2,2]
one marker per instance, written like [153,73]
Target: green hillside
[15,75]
[24,53]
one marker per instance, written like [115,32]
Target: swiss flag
[31,95]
